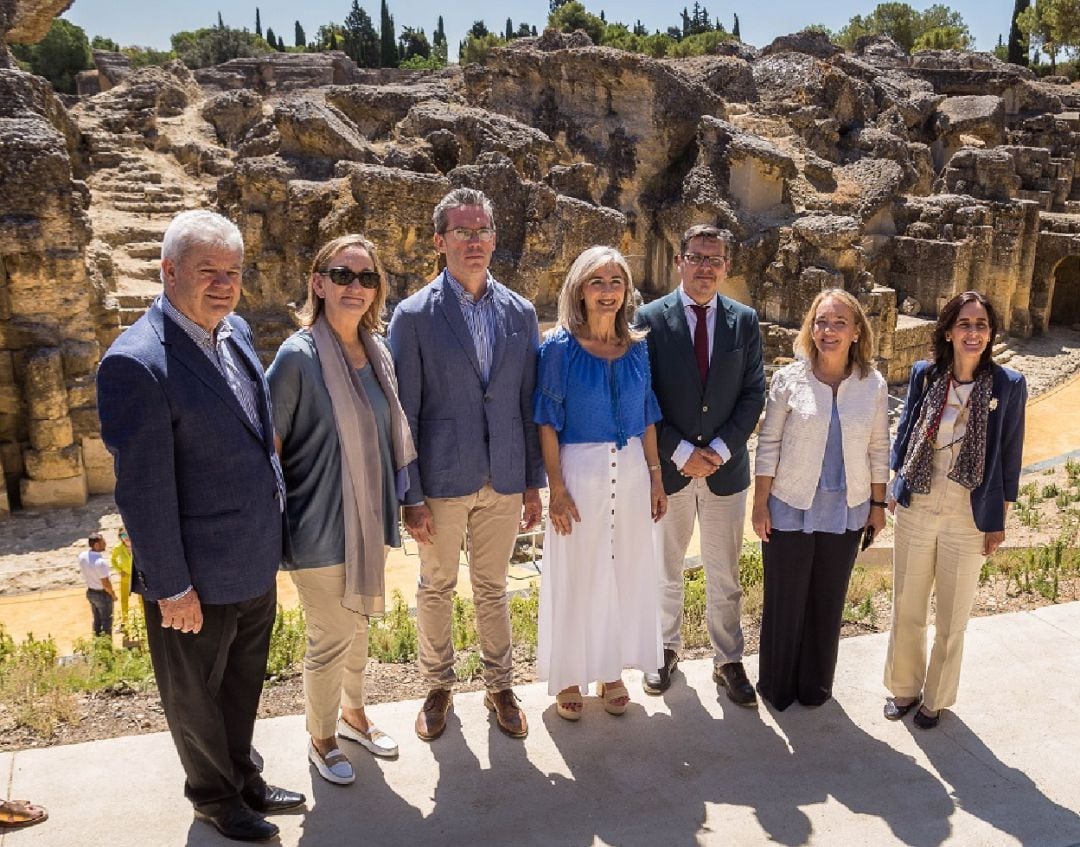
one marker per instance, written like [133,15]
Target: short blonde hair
[572,304]
[861,352]
[372,319]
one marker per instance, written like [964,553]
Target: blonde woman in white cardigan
[822,467]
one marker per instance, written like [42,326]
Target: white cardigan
[791,442]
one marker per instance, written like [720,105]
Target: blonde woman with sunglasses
[344,444]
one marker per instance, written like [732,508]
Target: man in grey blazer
[185,412]
[705,353]
[465,350]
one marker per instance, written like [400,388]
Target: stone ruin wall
[902,180]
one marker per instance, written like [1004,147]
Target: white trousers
[720,519]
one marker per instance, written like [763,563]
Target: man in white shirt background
[99,590]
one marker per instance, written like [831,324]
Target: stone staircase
[135,192]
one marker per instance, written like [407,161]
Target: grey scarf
[361,464]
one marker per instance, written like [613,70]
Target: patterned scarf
[970,464]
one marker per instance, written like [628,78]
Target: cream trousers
[937,547]
[337,648]
[489,522]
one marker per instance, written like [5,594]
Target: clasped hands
[703,462]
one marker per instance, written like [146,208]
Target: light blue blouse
[589,400]
[829,512]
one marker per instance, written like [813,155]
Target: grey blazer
[467,433]
[728,405]
[194,480]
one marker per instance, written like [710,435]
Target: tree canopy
[59,56]
[939,27]
[204,47]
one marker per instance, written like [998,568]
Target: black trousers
[806,579]
[210,685]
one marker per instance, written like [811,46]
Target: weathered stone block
[44,389]
[54,464]
[52,493]
[98,463]
[54,434]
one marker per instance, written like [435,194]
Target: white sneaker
[333,767]
[374,740]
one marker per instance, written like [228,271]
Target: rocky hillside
[903,179]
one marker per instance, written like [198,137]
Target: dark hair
[707,231]
[950,312]
[94,538]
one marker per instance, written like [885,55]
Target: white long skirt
[600,589]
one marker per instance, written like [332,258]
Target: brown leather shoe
[431,721]
[510,718]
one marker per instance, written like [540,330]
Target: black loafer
[732,676]
[269,798]
[893,712]
[659,682]
[240,824]
[925,721]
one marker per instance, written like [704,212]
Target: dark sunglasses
[345,276]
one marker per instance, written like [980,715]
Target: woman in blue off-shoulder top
[599,604]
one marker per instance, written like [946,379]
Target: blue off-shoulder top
[587,399]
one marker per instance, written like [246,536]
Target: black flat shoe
[240,824]
[894,712]
[659,682]
[925,721]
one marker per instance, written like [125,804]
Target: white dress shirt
[685,449]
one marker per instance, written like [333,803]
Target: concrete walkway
[685,769]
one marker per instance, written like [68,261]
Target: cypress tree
[1017,52]
[258,23]
[388,43]
[299,38]
[735,30]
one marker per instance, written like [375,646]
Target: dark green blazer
[728,406]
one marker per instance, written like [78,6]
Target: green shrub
[393,637]
[288,640]
[524,614]
[463,623]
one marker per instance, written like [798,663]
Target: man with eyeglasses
[705,353]
[465,350]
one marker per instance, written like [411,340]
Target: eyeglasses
[698,259]
[345,276]
[464,234]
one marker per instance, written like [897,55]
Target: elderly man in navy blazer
[465,350]
[185,412]
[705,353]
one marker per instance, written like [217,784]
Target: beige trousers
[937,547]
[491,522]
[720,521]
[337,648]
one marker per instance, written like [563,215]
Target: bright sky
[150,23]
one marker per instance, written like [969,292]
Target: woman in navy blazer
[957,460]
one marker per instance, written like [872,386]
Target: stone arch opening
[1065,302]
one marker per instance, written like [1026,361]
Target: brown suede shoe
[431,721]
[505,706]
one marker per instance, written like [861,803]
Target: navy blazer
[727,406]
[1004,443]
[467,433]
[194,480]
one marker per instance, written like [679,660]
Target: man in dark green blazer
[705,353]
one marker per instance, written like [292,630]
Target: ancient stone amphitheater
[904,179]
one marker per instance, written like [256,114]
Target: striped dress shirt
[479,317]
